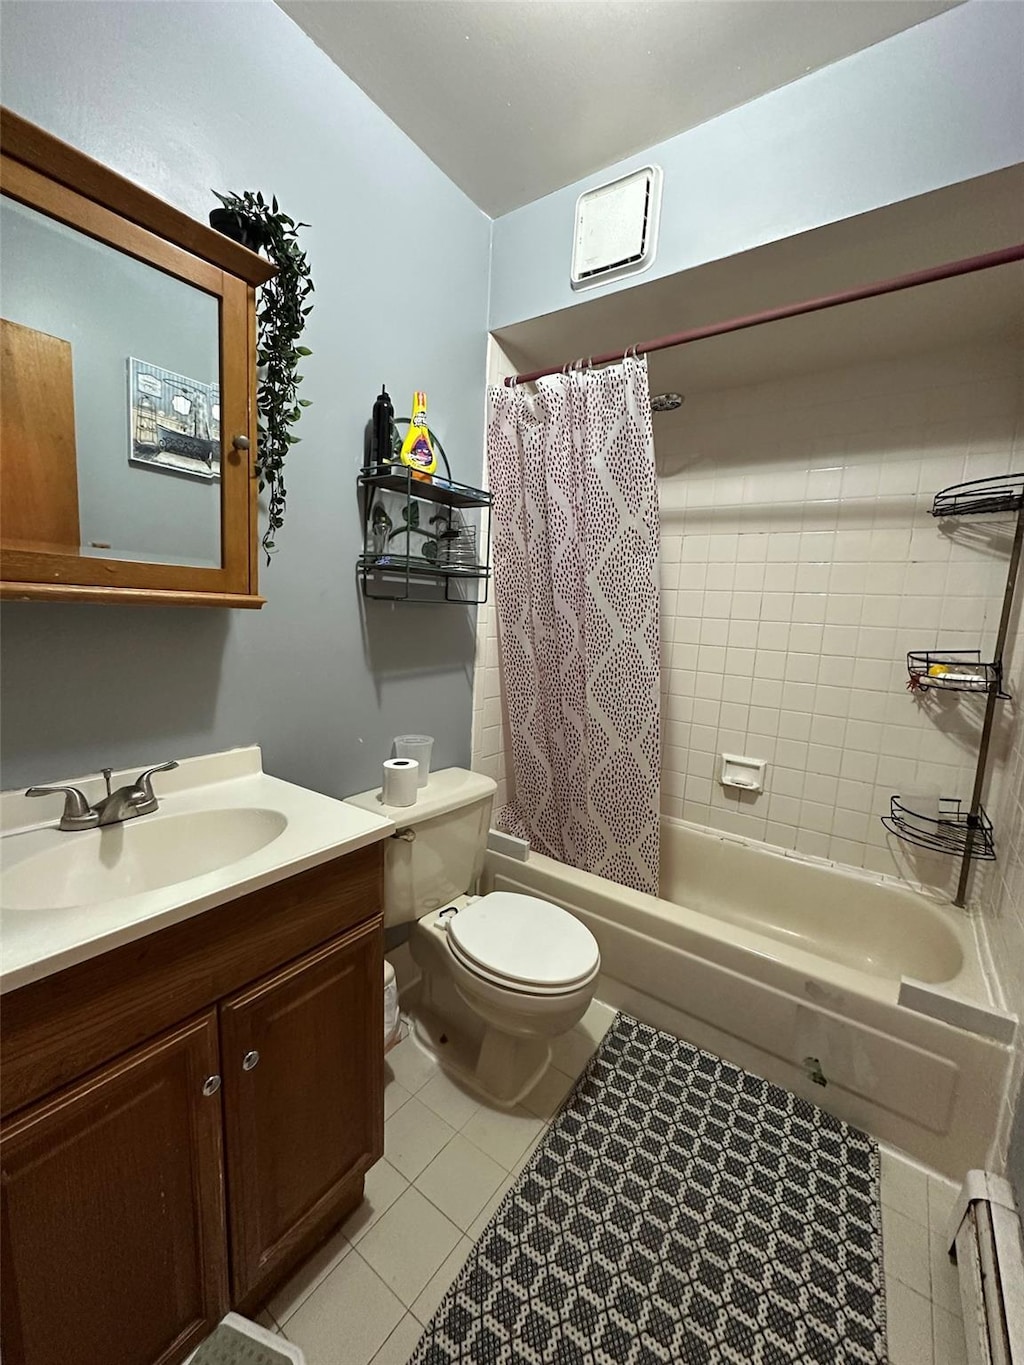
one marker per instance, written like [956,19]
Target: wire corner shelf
[954,831]
[1000,493]
[954,670]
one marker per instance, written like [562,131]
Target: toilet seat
[524,944]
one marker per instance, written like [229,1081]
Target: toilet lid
[524,940]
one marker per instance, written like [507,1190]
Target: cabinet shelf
[1002,493]
[948,833]
[954,670]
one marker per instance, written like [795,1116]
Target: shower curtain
[576,586]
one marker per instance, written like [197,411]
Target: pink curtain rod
[950,270]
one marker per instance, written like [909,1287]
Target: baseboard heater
[984,1236]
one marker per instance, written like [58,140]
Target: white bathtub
[804,972]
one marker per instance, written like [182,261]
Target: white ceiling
[515,98]
[962,220]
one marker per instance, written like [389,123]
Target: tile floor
[365,1296]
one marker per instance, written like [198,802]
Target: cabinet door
[304,1100]
[113,1243]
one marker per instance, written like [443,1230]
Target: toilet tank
[444,856]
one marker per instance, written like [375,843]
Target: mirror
[111,414]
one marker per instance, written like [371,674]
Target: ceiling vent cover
[616,230]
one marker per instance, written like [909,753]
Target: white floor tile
[382,1187]
[904,1187]
[347,1318]
[409,1245]
[945,1278]
[427,1303]
[597,1020]
[488,1211]
[545,1099]
[413,1137]
[572,1051]
[448,1100]
[905,1251]
[460,1180]
[309,1275]
[395,1095]
[527,1156]
[410,1065]
[503,1134]
[949,1346]
[400,1344]
[910,1325]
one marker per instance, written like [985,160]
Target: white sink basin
[140,855]
[224,829]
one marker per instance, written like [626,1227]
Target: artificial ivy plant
[281,317]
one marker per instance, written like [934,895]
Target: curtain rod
[950,270]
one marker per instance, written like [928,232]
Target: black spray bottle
[383,419]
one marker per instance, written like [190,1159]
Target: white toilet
[502,974]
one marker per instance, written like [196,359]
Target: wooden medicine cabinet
[128,432]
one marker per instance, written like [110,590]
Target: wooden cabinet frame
[273,1151]
[46,174]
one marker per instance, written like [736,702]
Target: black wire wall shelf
[954,670]
[425,538]
[406,578]
[401,479]
[1003,493]
[956,831]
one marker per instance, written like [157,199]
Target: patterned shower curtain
[576,585]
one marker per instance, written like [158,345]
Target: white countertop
[35,942]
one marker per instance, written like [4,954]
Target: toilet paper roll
[400,781]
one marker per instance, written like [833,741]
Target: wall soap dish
[746,774]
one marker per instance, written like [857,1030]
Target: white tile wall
[800,563]
[490,743]
[1002,884]
[490,739]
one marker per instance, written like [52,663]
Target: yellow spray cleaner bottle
[417,449]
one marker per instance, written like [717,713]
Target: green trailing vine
[281,317]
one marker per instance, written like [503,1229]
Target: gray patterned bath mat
[678,1210]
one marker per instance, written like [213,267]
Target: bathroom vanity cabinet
[187,1116]
[128,342]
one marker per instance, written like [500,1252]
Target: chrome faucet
[138,798]
[116,807]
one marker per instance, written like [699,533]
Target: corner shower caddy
[966,833]
[404,558]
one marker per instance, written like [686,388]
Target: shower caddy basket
[965,831]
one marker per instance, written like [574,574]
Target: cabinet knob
[211,1085]
[250,1059]
[240,442]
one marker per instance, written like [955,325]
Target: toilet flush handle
[408,834]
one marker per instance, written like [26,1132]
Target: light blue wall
[183,98]
[935,105]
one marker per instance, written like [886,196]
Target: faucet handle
[146,801]
[78,814]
